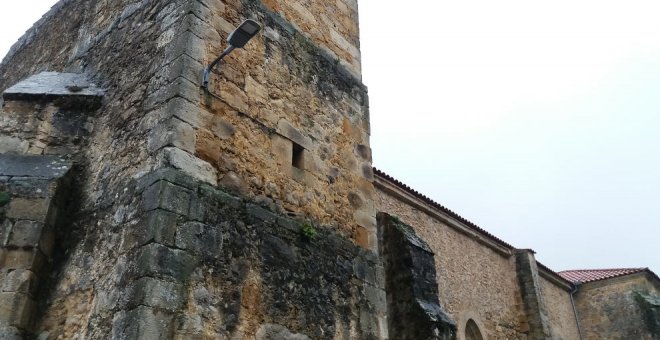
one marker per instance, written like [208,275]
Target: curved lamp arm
[207,70]
[238,38]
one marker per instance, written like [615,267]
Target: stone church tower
[136,204]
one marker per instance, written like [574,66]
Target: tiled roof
[590,275]
[440,207]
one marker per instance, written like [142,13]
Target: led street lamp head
[237,39]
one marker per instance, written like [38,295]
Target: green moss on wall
[5,197]
[650,306]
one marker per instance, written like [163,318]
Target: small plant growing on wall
[307,231]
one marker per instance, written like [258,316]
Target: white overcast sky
[539,121]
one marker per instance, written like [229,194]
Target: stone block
[16,310]
[289,131]
[255,90]
[19,281]
[200,238]
[5,229]
[233,183]
[187,43]
[222,128]
[25,233]
[365,218]
[167,196]
[191,165]
[260,214]
[209,200]
[282,149]
[10,144]
[234,96]
[172,132]
[29,209]
[159,227]
[53,85]
[155,293]
[278,332]
[365,238]
[179,89]
[30,187]
[168,174]
[187,67]
[31,259]
[364,271]
[188,112]
[289,224]
[376,298]
[143,323]
[157,260]
[10,333]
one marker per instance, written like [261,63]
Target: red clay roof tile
[590,275]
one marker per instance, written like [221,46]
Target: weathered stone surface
[199,238]
[31,259]
[160,227]
[167,196]
[561,316]
[31,187]
[25,234]
[191,165]
[530,286]
[471,275]
[413,305]
[53,85]
[19,281]
[9,144]
[277,332]
[160,261]
[16,310]
[155,293]
[33,166]
[10,333]
[28,209]
[618,307]
[234,183]
[172,132]
[142,323]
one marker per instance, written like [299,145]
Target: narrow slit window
[298,157]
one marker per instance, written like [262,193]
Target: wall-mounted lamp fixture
[237,39]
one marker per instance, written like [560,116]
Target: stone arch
[470,321]
[472,331]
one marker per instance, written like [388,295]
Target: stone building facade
[134,203]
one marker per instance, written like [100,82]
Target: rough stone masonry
[137,205]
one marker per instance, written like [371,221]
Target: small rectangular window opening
[298,157]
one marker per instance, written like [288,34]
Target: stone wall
[332,24]
[285,100]
[474,281]
[33,200]
[560,312]
[611,307]
[285,127]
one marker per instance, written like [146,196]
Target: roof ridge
[602,269]
[442,208]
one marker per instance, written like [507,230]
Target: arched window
[472,331]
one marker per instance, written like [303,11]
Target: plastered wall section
[474,281]
[560,310]
[609,307]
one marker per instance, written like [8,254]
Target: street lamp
[237,39]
